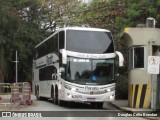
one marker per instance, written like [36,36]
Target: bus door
[43,78]
[52,77]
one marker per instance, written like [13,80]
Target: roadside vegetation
[24,23]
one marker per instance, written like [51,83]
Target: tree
[56,13]
[23,24]
[139,11]
[103,14]
[16,33]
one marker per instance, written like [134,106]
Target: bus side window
[48,73]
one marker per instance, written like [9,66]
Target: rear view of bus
[84,67]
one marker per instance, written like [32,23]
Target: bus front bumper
[79,97]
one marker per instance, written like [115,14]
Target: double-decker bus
[76,64]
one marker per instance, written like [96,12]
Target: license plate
[91,99]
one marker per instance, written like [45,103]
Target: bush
[121,89]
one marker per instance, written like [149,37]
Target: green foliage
[121,90]
[24,23]
[16,34]
[103,14]
[138,12]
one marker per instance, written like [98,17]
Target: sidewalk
[123,106]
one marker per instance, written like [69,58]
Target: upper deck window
[89,41]
[52,45]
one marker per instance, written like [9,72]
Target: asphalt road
[77,111]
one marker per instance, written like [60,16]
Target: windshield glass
[89,41]
[87,71]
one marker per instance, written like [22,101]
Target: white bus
[76,64]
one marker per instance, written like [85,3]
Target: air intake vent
[150,22]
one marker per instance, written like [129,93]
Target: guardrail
[14,94]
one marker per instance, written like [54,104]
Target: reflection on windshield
[86,71]
[89,41]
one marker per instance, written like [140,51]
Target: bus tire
[56,96]
[35,90]
[37,93]
[52,94]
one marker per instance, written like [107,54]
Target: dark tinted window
[47,73]
[49,46]
[136,57]
[61,40]
[139,57]
[89,41]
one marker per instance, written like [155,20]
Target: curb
[130,111]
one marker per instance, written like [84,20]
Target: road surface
[82,111]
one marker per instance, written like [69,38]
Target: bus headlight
[67,87]
[73,89]
[70,88]
[108,90]
[111,97]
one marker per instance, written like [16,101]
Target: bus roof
[84,28]
[73,28]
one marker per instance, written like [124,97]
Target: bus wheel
[37,93]
[35,90]
[52,94]
[56,97]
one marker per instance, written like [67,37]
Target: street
[83,111]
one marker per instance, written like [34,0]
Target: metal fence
[14,95]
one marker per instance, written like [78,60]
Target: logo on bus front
[91,88]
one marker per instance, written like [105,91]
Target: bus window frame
[36,51]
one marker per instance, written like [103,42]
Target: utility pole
[16,68]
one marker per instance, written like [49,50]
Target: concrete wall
[139,79]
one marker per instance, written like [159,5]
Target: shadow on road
[77,105]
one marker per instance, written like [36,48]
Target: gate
[14,95]
[5,91]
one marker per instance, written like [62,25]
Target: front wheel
[52,94]
[56,97]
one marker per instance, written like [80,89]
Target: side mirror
[64,56]
[121,58]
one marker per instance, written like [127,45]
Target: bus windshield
[89,41]
[90,71]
